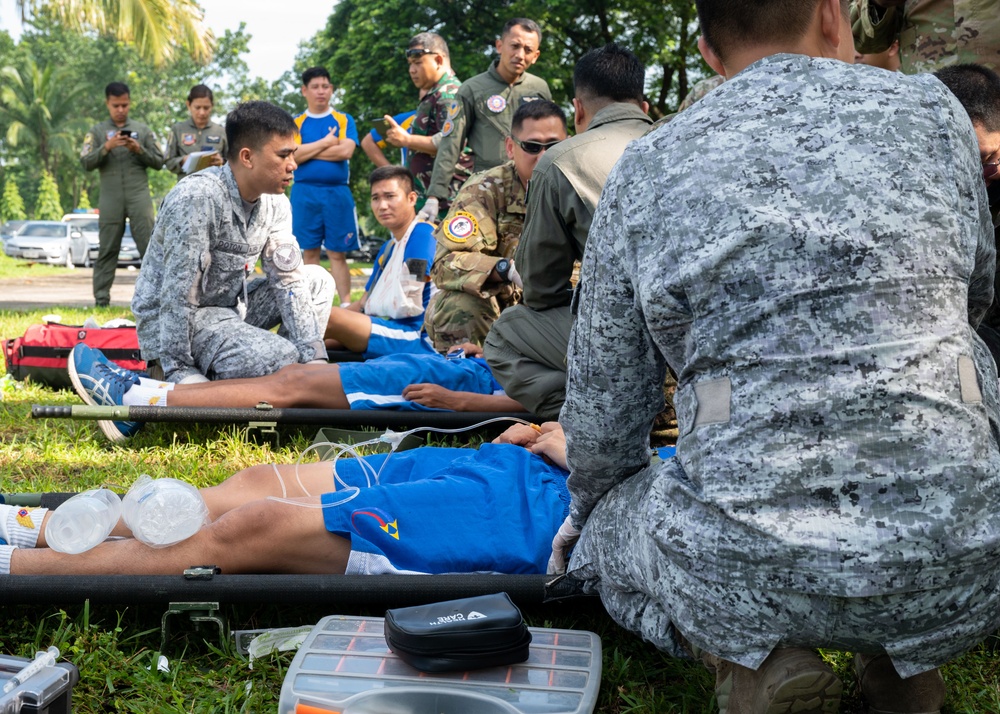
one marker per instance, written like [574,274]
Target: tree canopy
[159,30]
[53,78]
[364,40]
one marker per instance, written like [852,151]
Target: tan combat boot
[789,681]
[888,693]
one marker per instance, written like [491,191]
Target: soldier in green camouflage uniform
[121,149]
[430,69]
[932,33]
[700,89]
[484,226]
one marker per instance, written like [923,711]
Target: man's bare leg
[314,386]
[259,537]
[311,256]
[348,329]
[341,273]
[248,534]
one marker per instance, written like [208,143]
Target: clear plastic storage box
[48,691]
[344,666]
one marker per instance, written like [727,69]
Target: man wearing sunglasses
[429,67]
[978,90]
[526,346]
[479,118]
[476,240]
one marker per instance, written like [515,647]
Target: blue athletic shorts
[392,337]
[379,383]
[324,215]
[441,510]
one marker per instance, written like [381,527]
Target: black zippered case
[459,635]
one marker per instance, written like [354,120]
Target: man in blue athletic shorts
[322,206]
[461,382]
[388,319]
[429,510]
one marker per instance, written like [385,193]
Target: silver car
[52,242]
[128,252]
[9,229]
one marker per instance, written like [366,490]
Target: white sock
[155,384]
[22,525]
[5,553]
[145,396]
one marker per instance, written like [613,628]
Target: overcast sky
[276,29]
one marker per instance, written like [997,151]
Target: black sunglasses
[533,147]
[416,53]
[991,169]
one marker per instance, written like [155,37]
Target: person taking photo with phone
[122,150]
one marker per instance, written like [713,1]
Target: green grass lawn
[114,646]
[15,268]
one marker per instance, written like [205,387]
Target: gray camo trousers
[226,345]
[618,558]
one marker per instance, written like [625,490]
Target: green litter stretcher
[343,418]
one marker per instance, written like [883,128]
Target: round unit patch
[188,139]
[112,133]
[287,257]
[461,227]
[449,126]
[453,109]
[496,104]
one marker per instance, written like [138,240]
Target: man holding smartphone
[122,150]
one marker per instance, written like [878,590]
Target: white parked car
[128,253]
[50,242]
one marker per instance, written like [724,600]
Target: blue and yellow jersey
[314,127]
[405,121]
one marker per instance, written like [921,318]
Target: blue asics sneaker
[102,385]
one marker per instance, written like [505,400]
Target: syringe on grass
[41,661]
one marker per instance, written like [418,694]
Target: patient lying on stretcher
[462,381]
[429,510]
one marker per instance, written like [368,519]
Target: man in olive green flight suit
[121,149]
[526,346]
[480,115]
[482,230]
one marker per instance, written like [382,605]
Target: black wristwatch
[503,269]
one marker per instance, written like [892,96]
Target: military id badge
[461,227]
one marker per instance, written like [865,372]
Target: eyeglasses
[418,52]
[991,169]
[533,147]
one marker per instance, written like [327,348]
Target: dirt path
[73,289]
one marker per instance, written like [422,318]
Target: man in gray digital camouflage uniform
[837,470]
[200,313]
[526,346]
